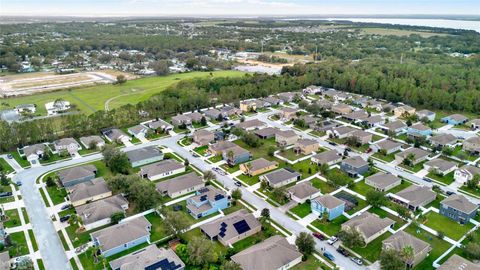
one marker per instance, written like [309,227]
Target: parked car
[18,183]
[343,251]
[319,236]
[332,143]
[449,193]
[369,150]
[332,240]
[66,206]
[329,255]
[9,156]
[65,218]
[238,183]
[6,194]
[195,154]
[356,260]
[426,179]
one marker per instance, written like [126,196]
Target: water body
[443,23]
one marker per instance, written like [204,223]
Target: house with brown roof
[251,124]
[287,113]
[302,192]
[404,110]
[180,185]
[286,137]
[98,213]
[306,146]
[258,166]
[232,228]
[382,181]
[458,263]
[341,109]
[273,253]
[219,147]
[472,145]
[161,169]
[203,137]
[329,157]
[89,191]
[414,197]
[400,240]
[394,127]
[368,225]
[356,116]
[361,136]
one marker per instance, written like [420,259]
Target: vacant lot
[398,32]
[93,98]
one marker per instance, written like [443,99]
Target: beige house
[258,166]
[458,263]
[341,109]
[328,157]
[286,137]
[382,181]
[303,191]
[362,137]
[404,110]
[368,225]
[472,145]
[401,239]
[306,146]
[418,155]
[203,137]
[90,191]
[287,113]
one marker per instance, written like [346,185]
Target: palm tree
[230,156]
[209,175]
[408,254]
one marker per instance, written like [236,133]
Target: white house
[57,106]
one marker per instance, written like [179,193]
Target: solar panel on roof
[203,198]
[163,265]
[219,197]
[222,234]
[203,190]
[241,226]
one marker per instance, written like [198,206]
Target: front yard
[447,179]
[330,227]
[301,210]
[371,252]
[290,154]
[5,167]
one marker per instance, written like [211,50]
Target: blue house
[328,204]
[354,166]
[458,208]
[419,130]
[3,234]
[455,119]
[236,155]
[127,234]
[207,201]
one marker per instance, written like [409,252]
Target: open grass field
[91,99]
[398,32]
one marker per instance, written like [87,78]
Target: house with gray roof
[455,119]
[94,140]
[181,119]
[180,185]
[418,154]
[400,240]
[266,133]
[76,175]
[426,114]
[5,261]
[116,135]
[373,121]
[34,152]
[388,145]
[474,124]
[472,145]
[368,225]
[203,137]
[443,140]
[219,147]
[280,177]
[213,114]
[394,127]
[159,125]
[302,192]
[458,208]
[341,109]
[329,157]
[465,173]
[232,228]
[414,197]
[361,136]
[383,181]
[440,166]
[329,205]
[89,191]
[67,144]
[98,213]
[161,169]
[145,155]
[150,257]
[286,137]
[354,166]
[341,131]
[207,201]
[236,155]
[356,116]
[251,124]
[273,253]
[458,263]
[138,131]
[120,237]
[306,146]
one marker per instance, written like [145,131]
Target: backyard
[449,227]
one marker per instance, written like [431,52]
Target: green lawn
[74,264]
[458,152]
[436,203]
[387,158]
[400,187]
[25,215]
[311,263]
[87,261]
[330,227]
[372,251]
[5,167]
[216,159]
[265,233]
[361,204]
[301,210]
[158,231]
[439,246]
[290,154]
[19,244]
[261,151]
[93,98]
[230,169]
[188,236]
[383,214]
[305,168]
[22,162]
[191,219]
[249,180]
[57,194]
[415,168]
[34,241]
[361,188]
[201,150]
[13,218]
[323,186]
[474,191]
[53,158]
[78,237]
[449,227]
[447,179]
[317,133]
[42,267]
[9,198]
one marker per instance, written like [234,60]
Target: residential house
[368,225]
[266,133]
[289,96]
[376,105]
[34,152]
[116,135]
[203,137]
[374,121]
[180,185]
[313,90]
[159,125]
[394,127]
[273,101]
[94,141]
[251,125]
[213,114]
[125,235]
[474,124]
[232,228]
[161,169]
[306,146]
[26,108]
[195,117]
[324,104]
[440,166]
[443,140]
[400,240]
[361,136]
[5,261]
[354,166]
[328,157]
[218,148]
[89,191]
[98,213]
[465,173]
[57,106]
[67,144]
[207,200]
[456,262]
[341,109]
[403,111]
[414,197]
[419,130]
[145,155]
[150,257]
[309,120]
[302,192]
[328,204]
[287,113]
[426,114]
[280,177]
[236,155]
[458,208]
[356,116]
[325,126]
[273,253]
[249,105]
[138,131]
[455,119]
[388,145]
[181,119]
[383,181]
[472,145]
[258,166]
[419,155]
[3,233]
[76,175]
[286,137]
[341,132]
[230,111]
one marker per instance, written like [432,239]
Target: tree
[390,260]
[4,179]
[237,194]
[230,265]
[116,160]
[25,263]
[202,251]
[376,199]
[203,121]
[209,175]
[175,222]
[402,212]
[408,254]
[323,168]
[186,162]
[265,213]
[121,79]
[305,243]
[351,238]
[50,181]
[472,251]
[144,195]
[116,217]
[271,151]
[280,195]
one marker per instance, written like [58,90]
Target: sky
[93,8]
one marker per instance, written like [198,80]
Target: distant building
[57,106]
[419,130]
[443,140]
[455,119]
[440,166]
[67,144]
[306,146]
[388,145]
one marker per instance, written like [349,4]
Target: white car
[332,240]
